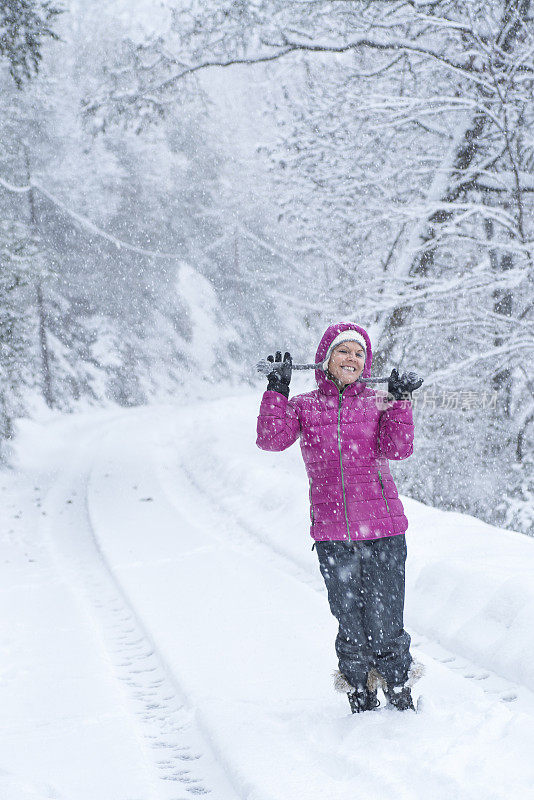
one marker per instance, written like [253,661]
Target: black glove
[279,379]
[402,388]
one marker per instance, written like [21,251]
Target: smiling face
[346,362]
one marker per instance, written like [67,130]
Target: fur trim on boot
[375,681]
[416,671]
[341,684]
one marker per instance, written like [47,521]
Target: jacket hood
[325,384]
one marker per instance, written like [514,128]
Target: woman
[347,435]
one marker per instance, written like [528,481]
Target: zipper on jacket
[341,464]
[383,491]
[311,505]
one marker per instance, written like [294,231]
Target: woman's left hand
[401,388]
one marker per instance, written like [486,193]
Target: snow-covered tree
[24,25]
[17,363]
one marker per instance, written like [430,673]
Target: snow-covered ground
[166,631]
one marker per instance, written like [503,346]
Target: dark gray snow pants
[365,584]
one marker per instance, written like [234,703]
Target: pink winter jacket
[346,439]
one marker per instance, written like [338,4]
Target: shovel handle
[266,367]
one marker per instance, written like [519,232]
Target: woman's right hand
[280,378]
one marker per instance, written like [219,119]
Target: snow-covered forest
[186,185]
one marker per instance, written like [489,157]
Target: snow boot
[400,697]
[362,700]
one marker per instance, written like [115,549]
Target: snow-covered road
[167,632]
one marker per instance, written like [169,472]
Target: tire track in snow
[178,762]
[210,486]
